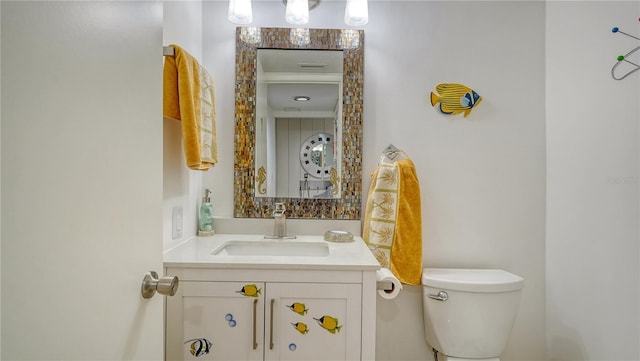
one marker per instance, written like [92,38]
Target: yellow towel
[188,96]
[393,220]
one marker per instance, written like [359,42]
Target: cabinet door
[216,321]
[313,321]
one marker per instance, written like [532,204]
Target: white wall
[592,201]
[482,178]
[182,187]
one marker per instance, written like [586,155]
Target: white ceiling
[324,96]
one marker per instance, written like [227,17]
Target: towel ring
[391,153]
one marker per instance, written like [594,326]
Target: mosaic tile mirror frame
[348,206]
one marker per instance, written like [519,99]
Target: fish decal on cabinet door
[250,291]
[298,308]
[301,327]
[329,323]
[455,98]
[199,346]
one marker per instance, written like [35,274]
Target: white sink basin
[273,248]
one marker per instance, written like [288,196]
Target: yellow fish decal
[199,346]
[301,327]
[299,308]
[329,323]
[455,98]
[250,291]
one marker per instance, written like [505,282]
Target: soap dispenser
[205,222]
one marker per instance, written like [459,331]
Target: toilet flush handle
[441,296]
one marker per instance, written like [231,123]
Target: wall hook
[623,58]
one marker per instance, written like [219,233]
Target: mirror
[328,186]
[298,111]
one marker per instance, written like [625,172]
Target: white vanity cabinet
[263,315]
[211,321]
[271,307]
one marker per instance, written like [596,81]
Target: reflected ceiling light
[300,36]
[301,98]
[250,35]
[356,13]
[240,11]
[297,11]
[349,38]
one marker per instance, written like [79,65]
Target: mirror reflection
[324,100]
[299,107]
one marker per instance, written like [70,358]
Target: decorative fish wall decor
[455,98]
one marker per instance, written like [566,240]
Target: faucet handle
[279,210]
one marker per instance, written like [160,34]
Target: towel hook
[623,58]
[391,152]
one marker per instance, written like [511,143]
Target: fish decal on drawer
[329,323]
[301,327]
[199,346]
[250,291]
[299,308]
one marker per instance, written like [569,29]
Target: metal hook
[622,58]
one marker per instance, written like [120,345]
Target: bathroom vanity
[242,297]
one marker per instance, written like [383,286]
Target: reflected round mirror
[258,124]
[316,155]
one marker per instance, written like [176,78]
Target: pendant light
[356,13]
[240,12]
[297,12]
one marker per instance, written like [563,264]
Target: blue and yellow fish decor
[199,346]
[455,98]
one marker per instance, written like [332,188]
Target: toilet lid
[471,280]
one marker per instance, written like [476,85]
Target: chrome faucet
[280,222]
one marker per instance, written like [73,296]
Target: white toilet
[469,313]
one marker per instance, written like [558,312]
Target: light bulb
[297,12]
[356,13]
[240,11]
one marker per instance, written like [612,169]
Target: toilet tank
[476,318]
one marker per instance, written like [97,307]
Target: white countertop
[198,253]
